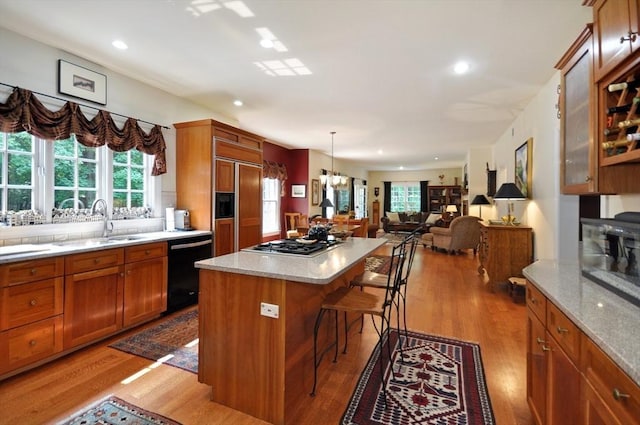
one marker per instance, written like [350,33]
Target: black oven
[183,280]
[225,205]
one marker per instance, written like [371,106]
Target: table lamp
[451,209]
[480,200]
[509,192]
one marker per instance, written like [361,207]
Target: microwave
[225,205]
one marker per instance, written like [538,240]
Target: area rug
[377,263]
[113,410]
[173,341]
[438,381]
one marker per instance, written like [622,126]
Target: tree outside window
[405,196]
[16,171]
[270,206]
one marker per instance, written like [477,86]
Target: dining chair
[348,299]
[291,221]
[369,279]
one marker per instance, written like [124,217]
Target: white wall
[34,66]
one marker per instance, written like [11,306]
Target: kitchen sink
[100,241]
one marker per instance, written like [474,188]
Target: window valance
[24,112]
[274,170]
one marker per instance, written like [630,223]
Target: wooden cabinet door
[145,290]
[249,213]
[536,368]
[563,386]
[225,176]
[92,305]
[613,20]
[578,167]
[224,237]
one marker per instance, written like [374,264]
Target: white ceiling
[381,70]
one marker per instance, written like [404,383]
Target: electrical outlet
[269,310]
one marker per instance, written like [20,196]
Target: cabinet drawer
[30,271]
[144,252]
[88,261]
[536,302]
[27,344]
[616,389]
[564,332]
[30,302]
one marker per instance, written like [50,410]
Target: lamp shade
[480,200]
[326,203]
[451,208]
[509,191]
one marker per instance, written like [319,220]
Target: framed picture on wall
[315,192]
[523,167]
[82,83]
[298,191]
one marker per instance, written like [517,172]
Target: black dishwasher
[182,279]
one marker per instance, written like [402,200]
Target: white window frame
[406,186]
[276,229]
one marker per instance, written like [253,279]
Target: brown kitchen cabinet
[579,155]
[553,356]
[225,176]
[93,289]
[224,237]
[31,309]
[215,157]
[616,27]
[504,251]
[145,282]
[570,380]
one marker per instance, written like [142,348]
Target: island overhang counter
[261,365]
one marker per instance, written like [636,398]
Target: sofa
[408,222]
[462,233]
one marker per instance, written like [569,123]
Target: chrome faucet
[102,204]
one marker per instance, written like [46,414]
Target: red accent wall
[297,163]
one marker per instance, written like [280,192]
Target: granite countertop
[612,322]
[320,269]
[15,253]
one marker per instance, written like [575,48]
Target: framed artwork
[315,192]
[298,191]
[523,167]
[82,83]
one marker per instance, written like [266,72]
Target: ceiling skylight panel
[239,7]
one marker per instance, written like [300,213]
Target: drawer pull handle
[147,252]
[540,341]
[617,395]
[544,348]
[631,37]
[562,330]
[33,302]
[96,260]
[34,271]
[32,342]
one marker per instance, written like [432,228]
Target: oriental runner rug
[437,381]
[173,341]
[113,410]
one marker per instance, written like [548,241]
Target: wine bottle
[633,136]
[629,123]
[625,85]
[622,108]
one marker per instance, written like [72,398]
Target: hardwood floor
[446,297]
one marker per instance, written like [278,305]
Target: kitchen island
[263,365]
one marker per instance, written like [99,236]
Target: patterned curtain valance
[24,112]
[274,170]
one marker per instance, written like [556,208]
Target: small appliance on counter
[609,253]
[182,221]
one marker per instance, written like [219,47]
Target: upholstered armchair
[462,233]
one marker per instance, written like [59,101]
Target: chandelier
[331,177]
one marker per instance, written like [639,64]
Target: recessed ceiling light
[461,67]
[379,151]
[401,167]
[436,158]
[119,44]
[267,44]
[237,102]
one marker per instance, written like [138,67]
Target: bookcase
[441,196]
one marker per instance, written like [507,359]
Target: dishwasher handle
[191,245]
